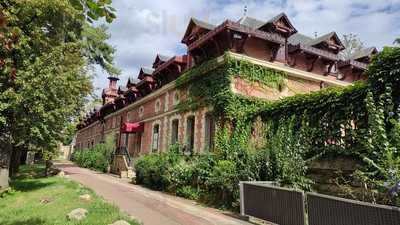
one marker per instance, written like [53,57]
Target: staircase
[122,163]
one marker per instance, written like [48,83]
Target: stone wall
[334,176]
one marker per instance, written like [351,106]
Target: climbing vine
[360,121]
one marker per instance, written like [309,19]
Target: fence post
[241,198]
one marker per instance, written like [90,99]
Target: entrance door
[137,142]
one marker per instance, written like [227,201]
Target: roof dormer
[160,59]
[329,42]
[364,55]
[144,71]
[131,82]
[195,30]
[279,24]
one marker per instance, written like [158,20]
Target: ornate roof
[299,38]
[145,71]
[251,22]
[132,81]
[195,22]
[326,37]
[366,52]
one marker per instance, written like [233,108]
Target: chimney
[113,82]
[111,92]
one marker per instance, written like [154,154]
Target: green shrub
[97,158]
[188,192]
[151,169]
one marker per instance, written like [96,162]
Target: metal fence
[328,210]
[273,204]
[287,207]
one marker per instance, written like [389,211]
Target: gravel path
[147,206]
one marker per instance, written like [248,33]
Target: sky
[144,28]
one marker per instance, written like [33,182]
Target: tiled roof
[323,38]
[203,24]
[147,70]
[132,80]
[298,38]
[163,58]
[251,22]
[364,53]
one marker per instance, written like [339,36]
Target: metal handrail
[123,150]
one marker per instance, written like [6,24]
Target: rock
[45,200]
[85,197]
[77,214]
[120,222]
[61,174]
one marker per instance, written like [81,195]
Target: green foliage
[359,121]
[188,192]
[94,10]
[97,157]
[212,81]
[287,147]
[151,168]
[45,78]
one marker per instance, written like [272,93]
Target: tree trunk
[15,161]
[5,158]
[48,166]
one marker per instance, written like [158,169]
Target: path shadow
[33,221]
[29,185]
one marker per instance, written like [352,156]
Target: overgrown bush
[97,158]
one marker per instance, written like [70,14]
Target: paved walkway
[147,206]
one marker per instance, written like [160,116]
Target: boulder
[120,222]
[61,174]
[85,197]
[77,214]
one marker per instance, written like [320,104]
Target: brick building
[144,116]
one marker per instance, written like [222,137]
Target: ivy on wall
[361,121]
[209,85]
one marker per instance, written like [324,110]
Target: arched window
[209,131]
[157,106]
[156,138]
[141,111]
[174,131]
[175,98]
[190,128]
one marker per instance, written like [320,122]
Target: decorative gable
[329,42]
[279,24]
[195,29]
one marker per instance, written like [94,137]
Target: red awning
[132,127]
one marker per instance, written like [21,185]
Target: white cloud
[144,28]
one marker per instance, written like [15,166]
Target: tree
[46,51]
[352,44]
[397,41]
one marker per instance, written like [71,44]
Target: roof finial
[245,11]
[315,34]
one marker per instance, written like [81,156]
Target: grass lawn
[36,200]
